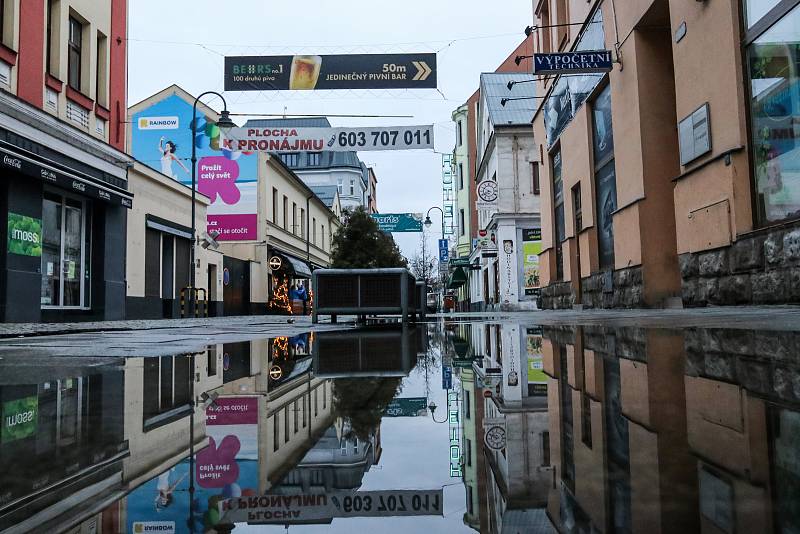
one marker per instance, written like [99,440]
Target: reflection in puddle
[575,429]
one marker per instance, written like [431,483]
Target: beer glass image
[305,72]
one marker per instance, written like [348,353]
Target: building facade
[372,204]
[667,183]
[62,138]
[508,193]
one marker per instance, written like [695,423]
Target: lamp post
[432,408]
[428,223]
[225,124]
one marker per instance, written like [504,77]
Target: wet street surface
[451,426]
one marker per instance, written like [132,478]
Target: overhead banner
[406,407]
[398,222]
[331,139]
[584,62]
[287,509]
[350,71]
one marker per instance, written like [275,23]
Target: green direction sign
[20,417]
[399,222]
[24,235]
[465,364]
[406,406]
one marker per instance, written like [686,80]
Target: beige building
[674,175]
[158,248]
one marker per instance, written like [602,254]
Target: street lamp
[432,408]
[428,223]
[225,124]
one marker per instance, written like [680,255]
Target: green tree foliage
[359,244]
[363,401]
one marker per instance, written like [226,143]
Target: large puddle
[533,429]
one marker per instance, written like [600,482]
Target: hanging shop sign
[343,71]
[398,222]
[286,509]
[583,62]
[330,139]
[275,263]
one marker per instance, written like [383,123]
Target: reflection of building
[62,442]
[518,474]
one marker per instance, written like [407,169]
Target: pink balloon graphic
[217,467]
[216,176]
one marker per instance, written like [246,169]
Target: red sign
[233,411]
[482,233]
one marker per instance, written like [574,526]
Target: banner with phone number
[330,139]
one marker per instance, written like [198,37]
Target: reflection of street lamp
[225,124]
[432,408]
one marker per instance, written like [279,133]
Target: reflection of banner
[285,509]
[331,139]
[233,411]
[20,418]
[537,379]
[162,139]
[344,71]
[531,248]
[406,406]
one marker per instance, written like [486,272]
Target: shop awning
[298,267]
[457,279]
[49,172]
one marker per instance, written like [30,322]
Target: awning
[168,227]
[457,279]
[43,169]
[296,265]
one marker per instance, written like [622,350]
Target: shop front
[290,283]
[63,230]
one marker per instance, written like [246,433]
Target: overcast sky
[185,41]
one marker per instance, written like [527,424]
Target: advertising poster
[343,71]
[537,379]
[332,139]
[24,235]
[162,139]
[531,248]
[226,469]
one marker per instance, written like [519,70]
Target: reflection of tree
[362,402]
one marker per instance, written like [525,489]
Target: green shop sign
[406,407]
[24,235]
[399,222]
[20,418]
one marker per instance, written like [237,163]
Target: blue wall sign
[444,251]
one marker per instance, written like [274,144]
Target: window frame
[76,47]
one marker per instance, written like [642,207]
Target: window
[316,401]
[286,424]
[211,365]
[586,420]
[324,395]
[543,35]
[65,252]
[274,206]
[756,9]
[775,111]
[339,186]
[535,189]
[101,77]
[352,187]
[3,21]
[296,416]
[303,404]
[468,452]
[53,10]
[291,159]
[576,207]
[562,18]
[302,223]
[75,59]
[285,212]
[314,159]
[461,222]
[460,176]
[322,235]
[460,132]
[294,217]
[545,449]
[558,203]
[605,176]
[467,407]
[314,230]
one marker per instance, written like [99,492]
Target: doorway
[65,253]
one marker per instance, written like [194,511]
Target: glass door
[64,252]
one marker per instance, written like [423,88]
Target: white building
[341,169]
[508,173]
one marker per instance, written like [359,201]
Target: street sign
[399,222]
[330,139]
[583,62]
[406,406]
[343,71]
[447,378]
[322,507]
[444,251]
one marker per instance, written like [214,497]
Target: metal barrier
[363,292]
[196,291]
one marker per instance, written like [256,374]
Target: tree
[359,244]
[363,401]
[423,264]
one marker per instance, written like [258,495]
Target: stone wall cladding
[557,296]
[607,289]
[763,268]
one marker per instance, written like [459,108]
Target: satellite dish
[209,240]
